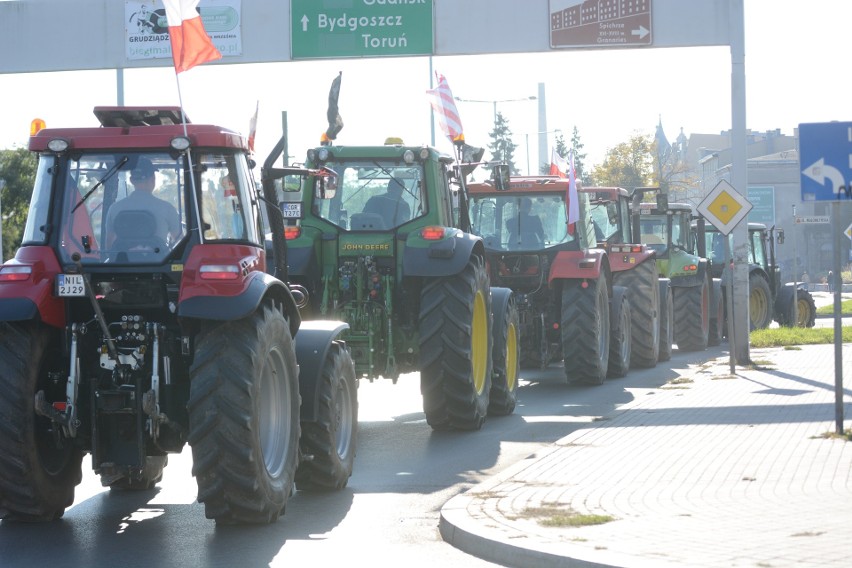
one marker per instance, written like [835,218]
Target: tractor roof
[138,128]
[523,184]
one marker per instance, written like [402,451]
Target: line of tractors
[244,328]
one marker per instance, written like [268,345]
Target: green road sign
[360,28]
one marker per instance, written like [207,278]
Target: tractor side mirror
[500,176]
[325,185]
[780,237]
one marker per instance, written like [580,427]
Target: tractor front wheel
[332,438]
[692,316]
[506,354]
[759,301]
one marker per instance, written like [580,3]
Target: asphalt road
[387,516]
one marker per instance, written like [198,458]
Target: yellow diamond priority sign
[724,207]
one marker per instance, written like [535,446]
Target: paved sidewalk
[716,471]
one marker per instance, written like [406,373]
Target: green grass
[787,336]
[551,515]
[845,309]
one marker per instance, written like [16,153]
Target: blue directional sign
[825,156]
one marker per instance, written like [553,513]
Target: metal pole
[838,331]
[527,136]
[2,187]
[795,271]
[729,300]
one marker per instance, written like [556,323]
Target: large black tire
[806,312]
[666,319]
[244,418]
[455,348]
[152,474]
[759,301]
[620,343]
[331,440]
[38,471]
[642,281]
[717,317]
[505,356]
[585,330]
[692,316]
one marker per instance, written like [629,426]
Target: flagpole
[189,160]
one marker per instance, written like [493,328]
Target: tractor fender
[313,340]
[693,279]
[443,257]
[499,299]
[35,297]
[620,261]
[226,308]
[716,294]
[573,265]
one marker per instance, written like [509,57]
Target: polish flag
[253,128]
[191,45]
[558,165]
[441,99]
[573,204]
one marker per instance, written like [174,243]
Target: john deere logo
[365,247]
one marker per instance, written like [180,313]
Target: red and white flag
[253,128]
[573,204]
[441,99]
[191,45]
[558,165]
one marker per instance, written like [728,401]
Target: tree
[630,164]
[17,170]
[579,156]
[502,148]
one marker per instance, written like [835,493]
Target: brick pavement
[717,471]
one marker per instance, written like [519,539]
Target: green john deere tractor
[383,240]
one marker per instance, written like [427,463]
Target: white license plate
[70,285]
[291,210]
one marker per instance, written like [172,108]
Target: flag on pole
[573,204]
[558,165]
[335,122]
[253,128]
[442,103]
[191,45]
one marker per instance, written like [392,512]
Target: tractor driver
[143,178]
[390,205]
[525,229]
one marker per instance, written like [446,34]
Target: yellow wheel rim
[479,342]
[511,357]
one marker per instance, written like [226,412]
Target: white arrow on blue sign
[826,161]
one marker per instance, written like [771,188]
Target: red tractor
[148,307]
[590,300]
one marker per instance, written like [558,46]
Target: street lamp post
[527,139]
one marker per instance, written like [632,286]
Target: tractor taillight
[432,233]
[219,272]
[15,273]
[690,268]
[291,233]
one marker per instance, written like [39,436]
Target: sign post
[826,162]
[724,207]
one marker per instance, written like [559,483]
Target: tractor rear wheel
[331,440]
[39,466]
[644,289]
[759,301]
[666,320]
[455,348]
[244,418]
[620,345]
[505,355]
[585,330]
[692,316]
[806,308]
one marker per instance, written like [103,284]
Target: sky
[797,70]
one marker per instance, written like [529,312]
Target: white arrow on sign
[305,21]
[848,232]
[641,32]
[819,172]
